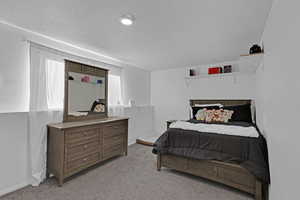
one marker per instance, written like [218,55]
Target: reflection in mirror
[86,94]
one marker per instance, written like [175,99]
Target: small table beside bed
[233,153]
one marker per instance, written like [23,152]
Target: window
[55,71]
[114,90]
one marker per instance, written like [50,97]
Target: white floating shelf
[215,75]
[250,62]
[246,65]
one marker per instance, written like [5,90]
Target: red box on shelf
[214,70]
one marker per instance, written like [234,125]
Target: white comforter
[217,128]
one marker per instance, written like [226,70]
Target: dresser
[76,146]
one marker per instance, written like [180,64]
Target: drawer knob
[85,159]
[85,146]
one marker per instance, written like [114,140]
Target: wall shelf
[247,64]
[254,54]
[250,62]
[215,75]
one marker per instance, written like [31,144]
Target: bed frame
[232,175]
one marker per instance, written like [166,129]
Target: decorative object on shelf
[85,79]
[255,49]
[192,72]
[99,82]
[215,70]
[227,69]
[71,78]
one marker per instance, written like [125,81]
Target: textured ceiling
[166,33]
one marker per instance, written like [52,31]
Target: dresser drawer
[81,136]
[114,129]
[81,150]
[113,141]
[81,163]
[113,151]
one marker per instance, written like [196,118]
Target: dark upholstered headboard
[225,102]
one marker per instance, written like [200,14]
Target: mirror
[86,94]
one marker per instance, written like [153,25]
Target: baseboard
[145,138]
[131,142]
[144,142]
[13,188]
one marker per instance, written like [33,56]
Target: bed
[238,162]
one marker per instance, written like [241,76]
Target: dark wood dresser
[75,146]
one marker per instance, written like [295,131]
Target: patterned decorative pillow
[219,115]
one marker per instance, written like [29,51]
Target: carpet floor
[130,178]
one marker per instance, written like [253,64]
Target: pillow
[194,109]
[219,115]
[242,113]
[201,114]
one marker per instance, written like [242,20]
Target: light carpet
[130,178]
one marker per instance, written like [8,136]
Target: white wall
[14,88]
[279,98]
[140,122]
[136,86]
[13,152]
[14,71]
[170,93]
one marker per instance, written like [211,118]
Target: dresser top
[65,125]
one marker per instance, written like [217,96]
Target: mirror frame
[71,66]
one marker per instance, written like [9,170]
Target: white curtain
[46,100]
[115,103]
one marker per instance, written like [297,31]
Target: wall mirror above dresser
[85,92]
[87,135]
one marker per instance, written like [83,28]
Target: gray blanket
[250,153]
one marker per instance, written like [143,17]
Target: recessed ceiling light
[127,19]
